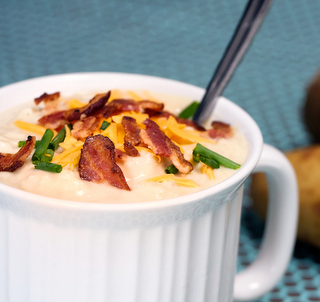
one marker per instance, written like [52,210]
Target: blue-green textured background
[183,40]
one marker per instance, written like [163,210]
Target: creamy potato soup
[143,176]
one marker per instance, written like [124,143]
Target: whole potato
[306,163]
[312,108]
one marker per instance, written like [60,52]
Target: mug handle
[280,229]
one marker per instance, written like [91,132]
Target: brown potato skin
[311,110]
[306,163]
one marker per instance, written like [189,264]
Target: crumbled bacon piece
[47,98]
[162,145]
[11,162]
[151,105]
[130,149]
[153,113]
[53,120]
[131,137]
[220,130]
[84,128]
[98,164]
[60,118]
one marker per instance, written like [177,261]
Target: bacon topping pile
[11,162]
[161,145]
[220,130]
[99,108]
[98,154]
[98,163]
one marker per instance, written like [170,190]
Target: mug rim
[236,178]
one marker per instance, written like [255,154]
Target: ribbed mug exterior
[182,253]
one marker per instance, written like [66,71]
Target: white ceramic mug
[178,250]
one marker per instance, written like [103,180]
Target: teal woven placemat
[301,282]
[183,40]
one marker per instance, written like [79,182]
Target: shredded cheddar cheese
[177,180]
[149,96]
[183,136]
[74,103]
[139,117]
[115,94]
[69,157]
[208,171]
[148,150]
[111,132]
[37,129]
[120,134]
[69,140]
[119,146]
[134,95]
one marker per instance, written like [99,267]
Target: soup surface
[144,174]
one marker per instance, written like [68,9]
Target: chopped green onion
[201,150]
[196,157]
[171,169]
[49,167]
[70,126]
[210,162]
[104,125]
[43,145]
[23,143]
[54,145]
[47,156]
[189,111]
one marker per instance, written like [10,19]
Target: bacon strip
[98,164]
[60,118]
[11,162]
[132,130]
[162,145]
[151,105]
[131,137]
[84,128]
[220,130]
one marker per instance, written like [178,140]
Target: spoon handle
[247,27]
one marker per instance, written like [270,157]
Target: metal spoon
[247,27]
